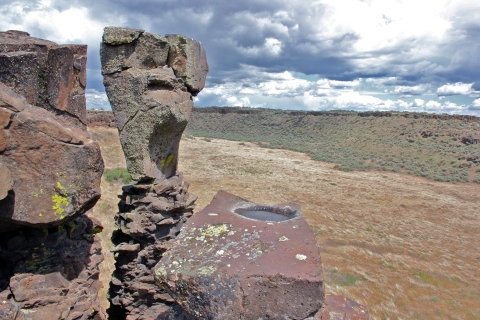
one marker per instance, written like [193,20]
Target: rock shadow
[52,270]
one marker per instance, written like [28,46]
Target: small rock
[117,35]
[127,247]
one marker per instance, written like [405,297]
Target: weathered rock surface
[9,310]
[150,81]
[52,273]
[188,59]
[48,75]
[55,167]
[226,266]
[50,174]
[150,217]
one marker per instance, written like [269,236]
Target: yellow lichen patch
[38,193]
[58,201]
[170,160]
[162,271]
[214,231]
[207,270]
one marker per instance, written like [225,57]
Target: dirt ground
[405,246]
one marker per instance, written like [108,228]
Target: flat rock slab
[225,266]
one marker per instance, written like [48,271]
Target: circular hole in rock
[267,213]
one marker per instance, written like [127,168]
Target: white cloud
[455,89]
[284,91]
[476,103]
[411,90]
[344,84]
[419,102]
[97,100]
[72,25]
[433,105]
[273,46]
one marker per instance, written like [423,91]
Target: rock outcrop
[53,273]
[150,81]
[43,148]
[261,265]
[48,75]
[150,217]
[50,173]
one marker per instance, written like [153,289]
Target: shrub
[118,174]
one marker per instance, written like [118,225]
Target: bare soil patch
[405,246]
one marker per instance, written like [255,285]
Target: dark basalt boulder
[54,167]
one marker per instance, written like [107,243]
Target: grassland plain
[417,144]
[405,246]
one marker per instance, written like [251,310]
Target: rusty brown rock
[6,181]
[50,174]
[48,75]
[3,141]
[226,266]
[66,74]
[10,100]
[5,117]
[45,156]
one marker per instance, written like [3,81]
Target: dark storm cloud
[235,33]
[249,43]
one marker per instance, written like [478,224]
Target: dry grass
[406,247]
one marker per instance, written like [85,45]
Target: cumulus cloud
[412,90]
[455,89]
[74,24]
[97,100]
[285,91]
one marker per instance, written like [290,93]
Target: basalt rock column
[150,81]
[50,173]
[44,144]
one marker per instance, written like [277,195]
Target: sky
[362,55]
